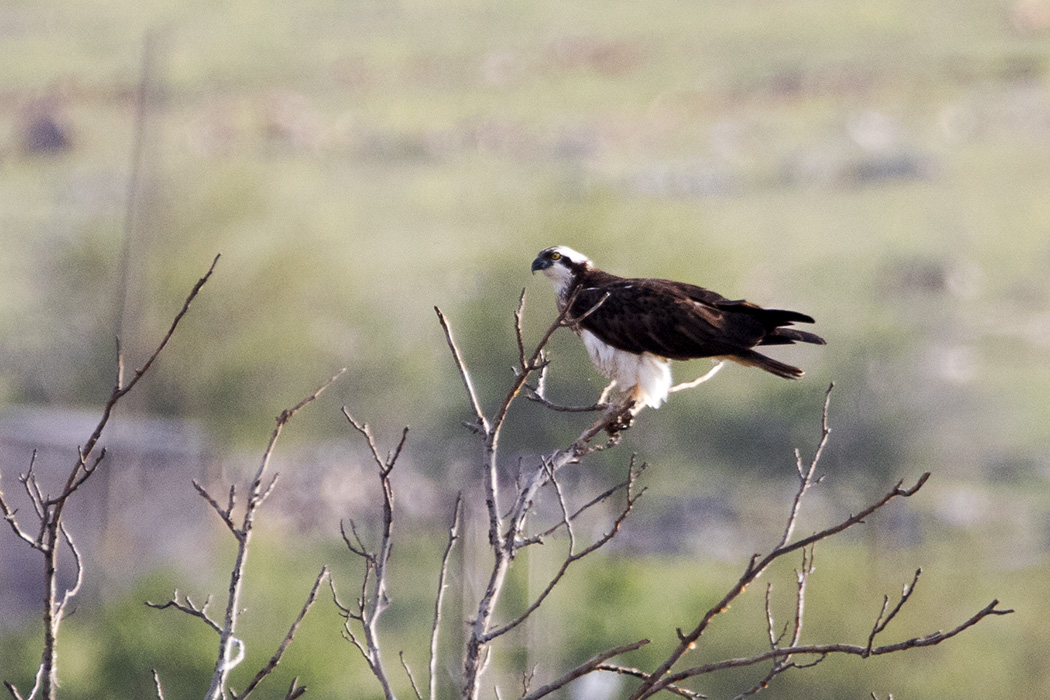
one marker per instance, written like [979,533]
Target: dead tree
[512,522]
[49,533]
[508,508]
[232,648]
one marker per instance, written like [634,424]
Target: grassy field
[881,166]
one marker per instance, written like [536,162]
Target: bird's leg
[604,396]
[699,380]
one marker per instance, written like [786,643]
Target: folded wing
[681,321]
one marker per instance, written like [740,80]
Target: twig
[758,564]
[9,512]
[295,690]
[408,672]
[189,608]
[600,498]
[14,691]
[828,649]
[370,606]
[156,684]
[276,658]
[223,513]
[571,557]
[883,619]
[468,383]
[638,673]
[583,669]
[533,394]
[519,333]
[805,475]
[49,510]
[569,321]
[453,535]
[257,495]
[506,535]
[78,568]
[784,663]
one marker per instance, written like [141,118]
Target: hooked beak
[540,264]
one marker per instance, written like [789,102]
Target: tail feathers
[750,358]
[783,317]
[787,336]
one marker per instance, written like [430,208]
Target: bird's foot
[620,417]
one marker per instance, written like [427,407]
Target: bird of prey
[633,328]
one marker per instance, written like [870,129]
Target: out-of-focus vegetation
[881,166]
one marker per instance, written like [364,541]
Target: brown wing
[676,320]
[654,316]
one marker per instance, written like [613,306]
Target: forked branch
[51,530]
[506,528]
[271,665]
[781,654]
[509,507]
[231,648]
[372,600]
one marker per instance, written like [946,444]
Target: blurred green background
[883,167]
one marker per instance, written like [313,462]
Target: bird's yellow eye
[555,256]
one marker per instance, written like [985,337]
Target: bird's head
[561,265]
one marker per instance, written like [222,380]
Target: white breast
[645,375]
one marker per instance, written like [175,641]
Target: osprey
[633,328]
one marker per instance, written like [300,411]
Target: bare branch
[895,492]
[463,372]
[119,391]
[759,564]
[257,494]
[659,678]
[51,531]
[13,690]
[224,514]
[805,475]
[583,669]
[828,649]
[411,678]
[571,557]
[371,605]
[505,541]
[883,620]
[34,497]
[78,581]
[271,665]
[295,690]
[600,498]
[139,373]
[566,521]
[9,515]
[32,488]
[534,394]
[784,663]
[360,549]
[642,675]
[568,321]
[453,535]
[156,684]
[200,612]
[519,334]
